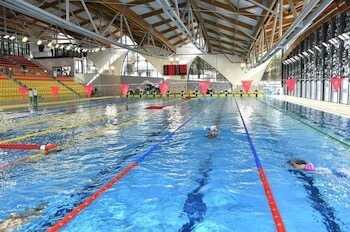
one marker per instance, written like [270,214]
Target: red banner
[89,89]
[23,91]
[124,88]
[203,87]
[164,87]
[291,84]
[246,86]
[55,90]
[336,83]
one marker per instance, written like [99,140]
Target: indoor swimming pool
[155,170]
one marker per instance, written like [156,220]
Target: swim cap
[309,167]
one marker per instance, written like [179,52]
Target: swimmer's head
[301,165]
[298,161]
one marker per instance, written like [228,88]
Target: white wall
[231,71]
[49,63]
[103,60]
[229,68]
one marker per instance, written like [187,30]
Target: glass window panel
[319,90]
[326,90]
[345,91]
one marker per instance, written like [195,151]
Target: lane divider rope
[5,166]
[17,146]
[30,158]
[119,176]
[60,128]
[277,218]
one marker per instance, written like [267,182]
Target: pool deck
[329,107]
[20,106]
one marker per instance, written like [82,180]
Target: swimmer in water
[16,220]
[212,132]
[302,165]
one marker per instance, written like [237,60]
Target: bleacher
[44,85]
[9,90]
[69,82]
[32,76]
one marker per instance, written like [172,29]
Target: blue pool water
[190,182]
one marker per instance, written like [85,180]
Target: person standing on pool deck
[35,98]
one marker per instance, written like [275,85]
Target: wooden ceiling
[238,27]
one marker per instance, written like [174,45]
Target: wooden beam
[168,30]
[78,11]
[239,44]
[230,47]
[184,42]
[229,43]
[162,22]
[139,21]
[201,23]
[261,22]
[220,51]
[175,36]
[229,8]
[63,16]
[226,28]
[229,50]
[262,6]
[139,2]
[281,19]
[87,21]
[231,20]
[179,34]
[151,13]
[273,32]
[284,26]
[49,4]
[248,7]
[231,37]
[292,8]
[285,21]
[233,7]
[180,41]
